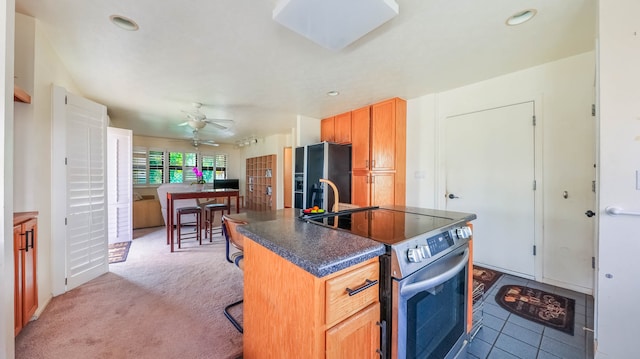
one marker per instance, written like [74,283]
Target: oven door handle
[411,289]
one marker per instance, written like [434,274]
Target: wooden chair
[233,238]
[210,216]
[195,211]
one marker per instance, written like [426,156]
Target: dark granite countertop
[316,249]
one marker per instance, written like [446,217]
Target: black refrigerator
[326,160]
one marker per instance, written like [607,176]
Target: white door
[568,232]
[79,200]
[119,169]
[490,171]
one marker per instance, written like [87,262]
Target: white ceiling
[242,65]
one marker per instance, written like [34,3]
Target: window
[190,161]
[214,167]
[151,168]
[156,167]
[175,167]
[139,165]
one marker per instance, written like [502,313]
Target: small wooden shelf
[20,95]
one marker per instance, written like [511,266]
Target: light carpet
[157,304]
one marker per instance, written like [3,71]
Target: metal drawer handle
[367,284]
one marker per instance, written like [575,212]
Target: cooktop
[391,225]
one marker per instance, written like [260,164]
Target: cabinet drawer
[340,304]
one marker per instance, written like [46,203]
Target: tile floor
[505,335]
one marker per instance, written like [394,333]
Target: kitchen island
[298,278]
[318,250]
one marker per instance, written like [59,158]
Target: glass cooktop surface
[383,225]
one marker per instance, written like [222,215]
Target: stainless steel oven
[423,276]
[430,311]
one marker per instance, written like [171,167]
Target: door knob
[452,196]
[590,213]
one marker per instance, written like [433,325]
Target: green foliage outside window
[156,167]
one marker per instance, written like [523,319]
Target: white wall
[618,288]
[32,155]
[563,91]
[422,142]
[307,131]
[7,344]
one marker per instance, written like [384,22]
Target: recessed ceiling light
[521,17]
[124,22]
[333,93]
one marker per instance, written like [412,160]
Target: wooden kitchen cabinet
[25,246]
[290,313]
[383,188]
[360,120]
[327,130]
[356,337]
[342,127]
[373,188]
[360,188]
[336,129]
[379,154]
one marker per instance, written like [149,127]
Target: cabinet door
[30,288]
[327,130]
[18,244]
[383,136]
[360,139]
[360,188]
[356,337]
[382,188]
[342,127]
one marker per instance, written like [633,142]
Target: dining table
[205,193]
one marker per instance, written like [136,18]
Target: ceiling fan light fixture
[197,124]
[124,23]
[521,17]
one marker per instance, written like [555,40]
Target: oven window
[436,319]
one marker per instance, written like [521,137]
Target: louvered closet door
[119,170]
[86,240]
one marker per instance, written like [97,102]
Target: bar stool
[184,211]
[210,215]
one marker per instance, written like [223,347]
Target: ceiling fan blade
[216,125]
[210,144]
[184,123]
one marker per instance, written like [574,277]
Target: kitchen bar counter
[318,250]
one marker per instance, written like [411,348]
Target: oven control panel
[437,244]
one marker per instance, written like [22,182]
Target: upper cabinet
[378,137]
[384,135]
[379,153]
[342,125]
[336,129]
[360,138]
[327,130]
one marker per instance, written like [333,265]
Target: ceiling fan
[197,120]
[196,141]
